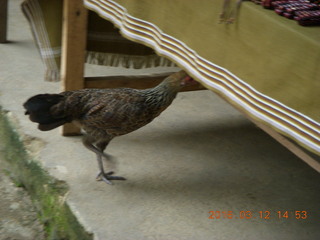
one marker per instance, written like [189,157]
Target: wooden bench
[72,72]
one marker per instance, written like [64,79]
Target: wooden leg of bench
[74,37]
[3,20]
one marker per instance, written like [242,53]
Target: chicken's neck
[164,93]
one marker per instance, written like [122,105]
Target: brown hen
[103,114]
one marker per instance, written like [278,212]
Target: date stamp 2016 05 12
[298,214]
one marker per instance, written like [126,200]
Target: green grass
[47,193]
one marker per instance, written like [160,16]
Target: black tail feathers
[38,108]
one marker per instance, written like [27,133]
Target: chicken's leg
[102,175]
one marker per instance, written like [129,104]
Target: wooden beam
[137,82]
[291,146]
[310,158]
[3,20]
[74,40]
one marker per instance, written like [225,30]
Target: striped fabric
[286,120]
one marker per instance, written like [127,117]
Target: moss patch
[47,193]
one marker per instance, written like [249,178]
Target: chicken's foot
[106,177]
[98,149]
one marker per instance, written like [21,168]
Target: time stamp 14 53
[298,214]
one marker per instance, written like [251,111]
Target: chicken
[103,114]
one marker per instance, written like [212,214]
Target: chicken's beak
[187,81]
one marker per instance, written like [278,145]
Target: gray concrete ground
[200,155]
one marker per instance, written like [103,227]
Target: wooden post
[3,20]
[74,40]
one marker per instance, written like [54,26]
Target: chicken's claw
[106,177]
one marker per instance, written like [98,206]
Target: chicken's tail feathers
[38,108]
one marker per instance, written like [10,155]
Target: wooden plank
[74,37]
[310,158]
[291,146]
[3,20]
[137,82]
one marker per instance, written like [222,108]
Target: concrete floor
[200,155]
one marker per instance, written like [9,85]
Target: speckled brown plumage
[103,114]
